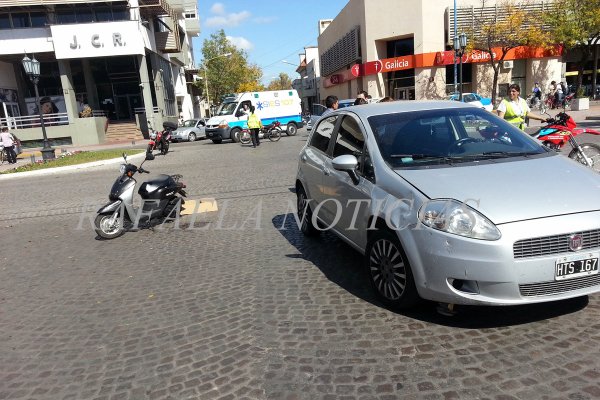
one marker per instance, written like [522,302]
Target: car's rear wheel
[192,137]
[305,214]
[389,271]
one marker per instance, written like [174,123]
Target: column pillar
[90,85]
[147,96]
[66,80]
[159,84]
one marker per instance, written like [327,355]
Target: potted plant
[581,101]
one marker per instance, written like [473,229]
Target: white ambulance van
[278,105]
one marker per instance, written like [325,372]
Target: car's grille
[556,244]
[554,287]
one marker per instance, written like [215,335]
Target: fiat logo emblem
[575,242]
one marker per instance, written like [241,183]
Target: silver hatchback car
[450,203]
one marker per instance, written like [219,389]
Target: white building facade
[130,61]
[403,49]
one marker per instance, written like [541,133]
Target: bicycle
[2,154]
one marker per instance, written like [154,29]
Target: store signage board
[97,40]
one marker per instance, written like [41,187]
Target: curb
[67,168]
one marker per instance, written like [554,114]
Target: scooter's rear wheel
[591,151]
[106,229]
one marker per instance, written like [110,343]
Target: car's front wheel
[192,137]
[389,271]
[305,214]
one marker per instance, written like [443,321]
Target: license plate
[576,265]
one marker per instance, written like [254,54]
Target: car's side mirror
[347,163]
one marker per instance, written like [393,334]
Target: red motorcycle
[562,129]
[160,139]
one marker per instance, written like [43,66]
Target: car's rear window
[448,136]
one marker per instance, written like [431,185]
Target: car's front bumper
[179,136]
[216,133]
[490,272]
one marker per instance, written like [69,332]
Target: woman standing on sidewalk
[9,145]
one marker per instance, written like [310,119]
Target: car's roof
[367,110]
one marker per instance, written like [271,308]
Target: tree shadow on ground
[343,266]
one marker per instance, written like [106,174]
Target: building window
[5,21]
[401,84]
[20,20]
[38,19]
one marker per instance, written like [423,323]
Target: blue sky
[269,30]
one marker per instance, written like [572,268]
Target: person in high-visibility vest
[516,109]
[254,124]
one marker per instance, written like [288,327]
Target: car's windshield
[227,108]
[189,123]
[448,135]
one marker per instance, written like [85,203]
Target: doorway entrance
[126,105]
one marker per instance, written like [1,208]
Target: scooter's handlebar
[143,171]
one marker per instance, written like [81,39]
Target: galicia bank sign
[97,40]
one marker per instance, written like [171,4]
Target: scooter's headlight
[122,168]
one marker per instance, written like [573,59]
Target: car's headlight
[222,124]
[458,218]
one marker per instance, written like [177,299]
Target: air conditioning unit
[507,64]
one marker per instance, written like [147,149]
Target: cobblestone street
[239,305]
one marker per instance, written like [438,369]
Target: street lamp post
[460,44]
[32,69]
[204,65]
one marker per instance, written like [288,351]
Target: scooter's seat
[161,180]
[155,187]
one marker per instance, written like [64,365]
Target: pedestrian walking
[8,142]
[254,124]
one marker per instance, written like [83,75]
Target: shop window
[38,19]
[103,14]
[66,17]
[20,20]
[85,15]
[120,14]
[5,21]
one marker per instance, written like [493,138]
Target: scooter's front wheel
[106,228]
[164,148]
[592,153]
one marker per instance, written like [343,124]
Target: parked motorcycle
[562,129]
[271,132]
[160,197]
[159,140]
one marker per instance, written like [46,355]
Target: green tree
[252,82]
[282,82]
[225,74]
[576,25]
[510,26]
